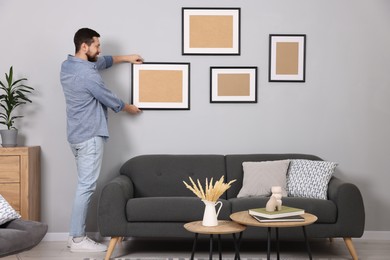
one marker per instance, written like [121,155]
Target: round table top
[224,227]
[244,218]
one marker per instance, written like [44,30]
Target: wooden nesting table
[224,227]
[244,218]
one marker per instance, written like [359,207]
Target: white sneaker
[70,240]
[87,245]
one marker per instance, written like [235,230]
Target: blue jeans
[88,156]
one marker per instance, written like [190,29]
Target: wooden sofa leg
[351,248]
[111,246]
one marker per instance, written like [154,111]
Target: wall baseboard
[368,235]
[376,235]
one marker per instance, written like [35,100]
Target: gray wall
[341,113]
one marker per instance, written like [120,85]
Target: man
[87,99]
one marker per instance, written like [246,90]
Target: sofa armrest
[112,206]
[350,207]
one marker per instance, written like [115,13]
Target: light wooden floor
[321,250]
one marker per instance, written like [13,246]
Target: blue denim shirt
[87,98]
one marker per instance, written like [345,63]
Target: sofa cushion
[171,209]
[19,235]
[259,177]
[234,168]
[163,175]
[325,210]
[7,213]
[309,179]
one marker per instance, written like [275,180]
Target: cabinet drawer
[11,193]
[9,168]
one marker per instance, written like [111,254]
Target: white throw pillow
[309,179]
[259,177]
[7,213]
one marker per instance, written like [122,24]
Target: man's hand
[133,58]
[131,109]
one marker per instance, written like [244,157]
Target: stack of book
[283,215]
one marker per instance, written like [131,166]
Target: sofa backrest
[163,175]
[234,169]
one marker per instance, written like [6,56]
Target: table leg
[269,244]
[277,243]
[219,247]
[211,248]
[194,246]
[237,246]
[307,243]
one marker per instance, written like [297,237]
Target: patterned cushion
[259,177]
[7,213]
[309,179]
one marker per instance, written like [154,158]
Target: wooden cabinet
[20,180]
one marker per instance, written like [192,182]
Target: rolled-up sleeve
[105,96]
[104,62]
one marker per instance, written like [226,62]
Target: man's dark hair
[84,35]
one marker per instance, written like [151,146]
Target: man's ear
[84,47]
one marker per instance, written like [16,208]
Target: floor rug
[215,257]
[178,258]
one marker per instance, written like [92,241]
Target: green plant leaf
[14,95]
[16,82]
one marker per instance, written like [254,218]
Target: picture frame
[287,57]
[211,31]
[161,86]
[233,84]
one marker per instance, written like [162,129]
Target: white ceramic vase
[210,216]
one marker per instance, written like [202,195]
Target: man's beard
[92,58]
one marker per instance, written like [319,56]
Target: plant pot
[9,137]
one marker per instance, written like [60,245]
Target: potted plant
[12,94]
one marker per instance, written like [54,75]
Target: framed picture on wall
[287,57]
[233,84]
[211,31]
[161,86]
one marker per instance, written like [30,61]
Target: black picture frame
[287,58]
[199,39]
[233,84]
[161,85]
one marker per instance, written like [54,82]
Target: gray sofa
[149,199]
